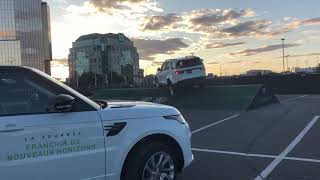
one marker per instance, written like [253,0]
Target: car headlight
[178,118]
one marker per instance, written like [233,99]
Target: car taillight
[179,71]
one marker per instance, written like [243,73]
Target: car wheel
[152,161]
[157,83]
[172,90]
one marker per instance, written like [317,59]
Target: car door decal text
[51,145]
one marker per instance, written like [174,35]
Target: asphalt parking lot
[276,142]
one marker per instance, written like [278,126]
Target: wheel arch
[156,138]
[169,82]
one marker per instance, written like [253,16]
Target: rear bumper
[192,81]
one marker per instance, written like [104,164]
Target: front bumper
[185,143]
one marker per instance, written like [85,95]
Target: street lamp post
[283,68]
[288,62]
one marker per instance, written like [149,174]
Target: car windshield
[189,63]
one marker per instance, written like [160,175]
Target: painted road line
[234,153]
[303,159]
[313,97]
[295,98]
[255,155]
[214,124]
[266,172]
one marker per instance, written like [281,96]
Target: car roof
[14,67]
[182,58]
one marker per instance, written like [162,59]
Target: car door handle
[11,128]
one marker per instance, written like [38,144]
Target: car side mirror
[63,103]
[159,69]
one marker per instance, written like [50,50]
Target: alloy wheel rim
[160,166]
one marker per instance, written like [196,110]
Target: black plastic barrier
[245,97]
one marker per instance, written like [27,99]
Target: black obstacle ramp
[243,97]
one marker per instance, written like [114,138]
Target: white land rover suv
[49,131]
[179,72]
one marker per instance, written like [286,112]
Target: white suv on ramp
[49,131]
[181,72]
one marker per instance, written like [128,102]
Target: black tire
[172,89]
[138,159]
[157,83]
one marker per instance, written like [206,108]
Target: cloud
[227,23]
[248,28]
[231,27]
[302,55]
[103,5]
[209,17]
[303,22]
[222,45]
[234,62]
[230,62]
[212,63]
[155,23]
[292,25]
[148,48]
[309,54]
[251,52]
[156,63]
[109,6]
[256,62]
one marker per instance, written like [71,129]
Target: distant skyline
[239,36]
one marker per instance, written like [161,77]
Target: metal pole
[107,81]
[306,63]
[95,79]
[111,79]
[77,79]
[283,68]
[287,62]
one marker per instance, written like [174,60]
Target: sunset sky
[236,35]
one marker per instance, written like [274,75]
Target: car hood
[121,110]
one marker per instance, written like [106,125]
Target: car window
[20,95]
[28,94]
[163,65]
[189,63]
[167,65]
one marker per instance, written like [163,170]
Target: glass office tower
[25,36]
